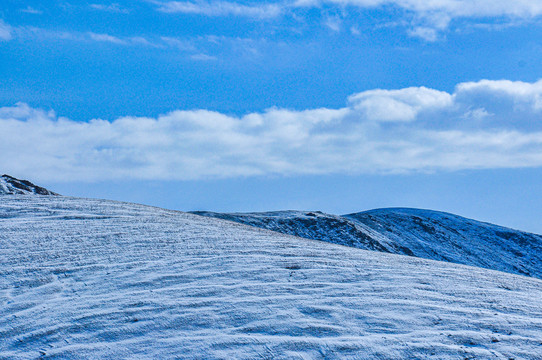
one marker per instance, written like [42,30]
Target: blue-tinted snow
[422,233]
[93,279]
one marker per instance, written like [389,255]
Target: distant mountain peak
[13,186]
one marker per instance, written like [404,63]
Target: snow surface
[88,279]
[423,233]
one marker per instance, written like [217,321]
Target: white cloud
[333,23]
[31,10]
[139,40]
[22,111]
[5,31]
[426,19]
[114,8]
[221,8]
[106,38]
[452,8]
[430,17]
[425,33]
[521,93]
[202,57]
[36,33]
[399,105]
[181,44]
[379,131]
[195,48]
[28,32]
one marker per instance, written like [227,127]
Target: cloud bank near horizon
[481,125]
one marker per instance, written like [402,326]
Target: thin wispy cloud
[221,8]
[428,18]
[106,38]
[333,23]
[140,40]
[194,48]
[426,33]
[451,8]
[31,10]
[180,44]
[5,31]
[42,34]
[130,41]
[203,57]
[113,8]
[485,124]
[212,47]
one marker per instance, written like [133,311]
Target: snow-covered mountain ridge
[96,279]
[12,186]
[422,233]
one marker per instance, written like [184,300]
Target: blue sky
[339,106]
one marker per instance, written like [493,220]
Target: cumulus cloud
[485,124]
[221,8]
[520,93]
[399,105]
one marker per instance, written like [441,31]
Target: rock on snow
[12,186]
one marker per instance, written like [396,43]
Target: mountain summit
[12,186]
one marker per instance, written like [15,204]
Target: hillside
[423,233]
[86,279]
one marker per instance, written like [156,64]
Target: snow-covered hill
[442,236]
[94,279]
[12,186]
[422,233]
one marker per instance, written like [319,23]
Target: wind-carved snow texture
[12,186]
[89,279]
[422,233]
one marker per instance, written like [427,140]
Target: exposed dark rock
[13,186]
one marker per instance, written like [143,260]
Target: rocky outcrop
[12,186]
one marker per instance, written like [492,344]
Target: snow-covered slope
[12,186]
[89,279]
[311,225]
[442,236]
[422,233]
